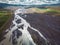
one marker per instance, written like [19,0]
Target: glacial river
[18,35]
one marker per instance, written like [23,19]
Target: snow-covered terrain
[30,2]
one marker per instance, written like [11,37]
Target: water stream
[18,35]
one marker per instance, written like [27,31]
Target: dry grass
[5,16]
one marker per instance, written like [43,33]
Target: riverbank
[6,17]
[48,25]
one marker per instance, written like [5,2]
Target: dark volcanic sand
[48,25]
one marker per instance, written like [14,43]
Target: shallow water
[19,34]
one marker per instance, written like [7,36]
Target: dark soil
[48,25]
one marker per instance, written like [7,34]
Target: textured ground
[47,24]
